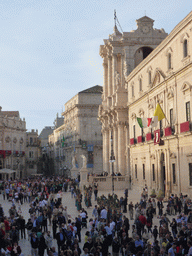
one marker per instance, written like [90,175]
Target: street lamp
[112,160]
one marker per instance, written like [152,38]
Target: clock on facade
[145,29]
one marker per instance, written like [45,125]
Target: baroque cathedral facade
[142,68]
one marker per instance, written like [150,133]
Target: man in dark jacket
[115,246]
[34,245]
[60,237]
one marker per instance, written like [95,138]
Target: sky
[49,49]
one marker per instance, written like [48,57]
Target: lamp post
[112,160]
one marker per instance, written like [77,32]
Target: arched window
[185,51]
[140,84]
[169,61]
[149,77]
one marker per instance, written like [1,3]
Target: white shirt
[112,225]
[104,214]
[108,230]
[83,215]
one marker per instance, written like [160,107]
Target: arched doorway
[163,174]
[141,54]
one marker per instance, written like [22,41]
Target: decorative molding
[152,156]
[184,37]
[170,92]
[133,116]
[172,155]
[189,155]
[15,140]
[186,86]
[141,112]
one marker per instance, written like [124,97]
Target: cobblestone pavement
[134,196]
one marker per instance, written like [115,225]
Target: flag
[159,112]
[142,122]
[63,142]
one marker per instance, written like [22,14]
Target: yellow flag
[159,112]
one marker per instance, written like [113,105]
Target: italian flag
[144,122]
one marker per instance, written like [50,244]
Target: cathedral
[143,68]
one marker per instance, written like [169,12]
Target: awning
[7,171]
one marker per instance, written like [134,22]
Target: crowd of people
[107,231]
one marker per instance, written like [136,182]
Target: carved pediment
[170,92]
[151,104]
[160,98]
[186,86]
[172,155]
[141,112]
[158,77]
[133,116]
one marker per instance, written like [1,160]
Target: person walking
[34,245]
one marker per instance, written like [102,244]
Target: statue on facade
[84,162]
[117,79]
[126,70]
[73,163]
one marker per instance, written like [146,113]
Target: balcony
[133,141]
[185,127]
[149,136]
[140,139]
[168,131]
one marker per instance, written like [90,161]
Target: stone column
[109,75]
[113,74]
[105,80]
[115,148]
[121,148]
[104,149]
[107,143]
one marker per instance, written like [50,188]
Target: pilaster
[121,148]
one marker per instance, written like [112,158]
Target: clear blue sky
[49,50]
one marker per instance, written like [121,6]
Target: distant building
[32,153]
[43,137]
[12,145]
[80,133]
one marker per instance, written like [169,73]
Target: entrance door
[163,174]
[164,180]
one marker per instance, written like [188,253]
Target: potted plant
[153,193]
[160,195]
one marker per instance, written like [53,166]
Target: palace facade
[160,157]
[80,134]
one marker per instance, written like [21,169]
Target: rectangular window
[31,154]
[143,171]
[140,85]
[174,176]
[134,132]
[31,140]
[153,171]
[190,174]
[188,111]
[171,117]
[135,171]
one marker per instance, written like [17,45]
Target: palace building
[141,69]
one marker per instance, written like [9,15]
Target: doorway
[163,174]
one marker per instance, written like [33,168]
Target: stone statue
[117,79]
[126,70]
[84,162]
[73,163]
